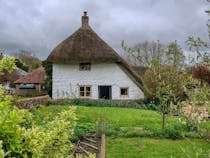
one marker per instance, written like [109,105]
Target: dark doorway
[105,92]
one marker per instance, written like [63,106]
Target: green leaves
[20,137]
[7,63]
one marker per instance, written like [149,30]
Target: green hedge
[105,103]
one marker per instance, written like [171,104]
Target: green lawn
[123,117]
[155,148]
[121,147]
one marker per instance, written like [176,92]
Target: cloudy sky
[39,25]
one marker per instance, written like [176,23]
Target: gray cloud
[38,26]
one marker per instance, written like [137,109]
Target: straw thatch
[86,46]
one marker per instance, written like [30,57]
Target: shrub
[20,137]
[81,129]
[105,103]
[167,74]
[201,72]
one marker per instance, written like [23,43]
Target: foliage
[20,137]
[202,72]
[175,55]
[21,65]
[154,77]
[48,82]
[28,59]
[7,63]
[150,105]
[155,53]
[197,97]
[119,122]
[200,47]
[143,53]
[81,129]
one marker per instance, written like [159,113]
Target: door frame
[110,91]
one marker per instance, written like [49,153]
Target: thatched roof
[83,46]
[140,70]
[86,46]
[37,76]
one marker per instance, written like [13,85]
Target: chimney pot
[85,20]
[85,13]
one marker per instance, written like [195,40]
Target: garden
[171,122]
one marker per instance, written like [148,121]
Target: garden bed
[90,143]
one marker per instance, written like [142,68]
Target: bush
[20,137]
[81,129]
[171,77]
[202,72]
[105,103]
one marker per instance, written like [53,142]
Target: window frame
[127,95]
[85,91]
[84,66]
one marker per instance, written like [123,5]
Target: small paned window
[85,91]
[85,66]
[124,91]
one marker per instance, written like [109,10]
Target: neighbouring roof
[86,46]
[37,76]
[16,74]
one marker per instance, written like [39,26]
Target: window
[85,91]
[84,66]
[124,92]
[27,86]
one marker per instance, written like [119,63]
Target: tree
[164,84]
[155,53]
[48,83]
[200,47]
[202,72]
[7,64]
[143,53]
[21,65]
[174,55]
[28,59]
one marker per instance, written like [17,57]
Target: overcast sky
[39,25]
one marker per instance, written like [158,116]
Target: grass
[123,117]
[155,148]
[113,116]
[135,147]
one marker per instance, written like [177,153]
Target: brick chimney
[85,20]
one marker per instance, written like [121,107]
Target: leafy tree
[143,53]
[28,59]
[48,83]
[202,72]
[174,55]
[155,53]
[8,64]
[167,74]
[1,55]
[21,65]
[165,84]
[200,47]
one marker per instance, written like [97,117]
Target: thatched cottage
[84,66]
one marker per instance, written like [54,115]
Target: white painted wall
[67,78]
